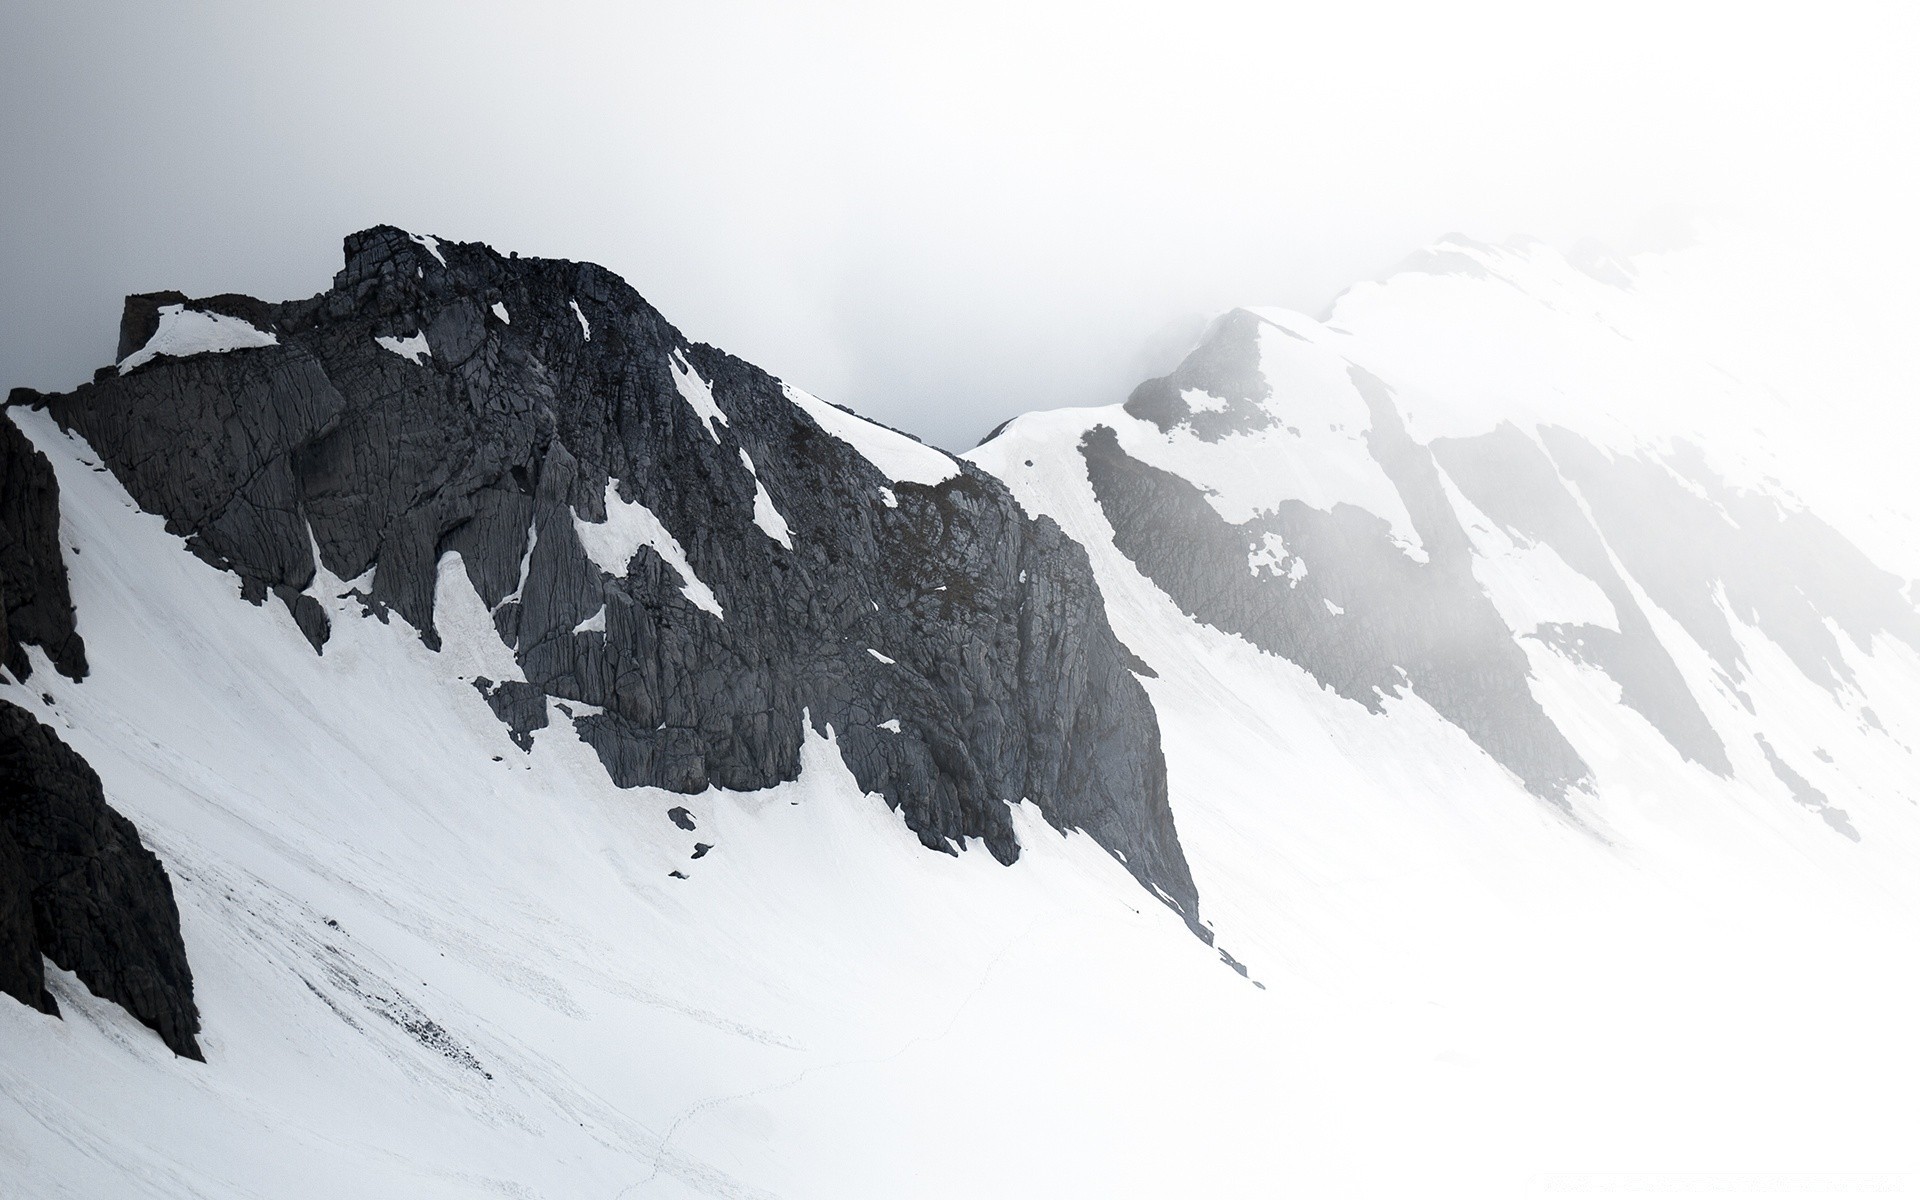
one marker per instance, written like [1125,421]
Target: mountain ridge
[453,541]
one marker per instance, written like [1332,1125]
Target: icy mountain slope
[1467,496]
[1503,926]
[695,563]
[77,889]
[431,965]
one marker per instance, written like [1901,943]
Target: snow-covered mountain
[572,762]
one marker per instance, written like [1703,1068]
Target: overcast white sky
[940,215]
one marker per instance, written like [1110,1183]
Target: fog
[941,215]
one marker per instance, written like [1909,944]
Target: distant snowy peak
[1493,455]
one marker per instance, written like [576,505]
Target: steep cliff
[690,560]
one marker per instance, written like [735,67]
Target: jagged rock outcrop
[35,607]
[1709,552]
[77,886]
[1509,477]
[1226,366]
[1399,621]
[695,559]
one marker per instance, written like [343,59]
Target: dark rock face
[1509,477]
[35,607]
[513,402]
[75,883]
[1399,622]
[1225,365]
[1805,794]
[1785,572]
[93,899]
[21,974]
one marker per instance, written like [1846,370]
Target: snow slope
[429,965]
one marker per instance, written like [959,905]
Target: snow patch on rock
[432,244]
[184,332]
[414,349]
[765,515]
[697,393]
[611,545]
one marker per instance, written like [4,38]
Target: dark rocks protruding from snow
[1508,476]
[522,707]
[1226,365]
[140,319]
[441,398]
[99,903]
[22,974]
[1690,539]
[75,883]
[1805,794]
[36,608]
[1367,619]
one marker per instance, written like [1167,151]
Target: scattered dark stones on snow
[700,849]
[443,398]
[679,815]
[1366,619]
[77,886]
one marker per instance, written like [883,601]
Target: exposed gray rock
[499,442]
[1805,794]
[35,606]
[21,974]
[522,706]
[1509,477]
[1226,365]
[1401,623]
[75,884]
[1688,537]
[101,904]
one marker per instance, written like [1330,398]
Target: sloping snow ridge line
[432,245]
[697,393]
[184,332]
[897,456]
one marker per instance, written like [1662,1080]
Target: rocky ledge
[690,561]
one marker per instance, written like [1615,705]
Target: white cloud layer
[939,214]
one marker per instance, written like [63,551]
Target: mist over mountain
[947,215]
[462,736]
